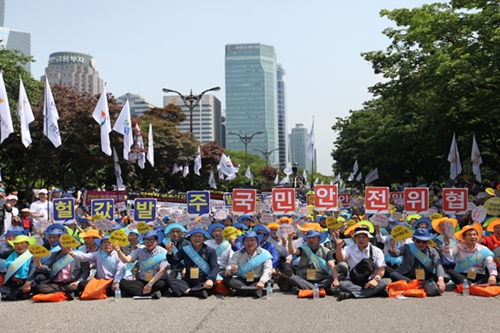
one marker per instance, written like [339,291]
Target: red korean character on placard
[325,197]
[377,199]
[283,200]
[244,201]
[455,200]
[345,199]
[416,200]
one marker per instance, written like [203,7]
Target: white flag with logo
[141,156]
[118,170]
[123,126]
[7,127]
[50,117]
[25,114]
[226,166]
[211,180]
[151,149]
[197,162]
[476,159]
[101,115]
[454,159]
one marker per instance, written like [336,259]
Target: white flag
[476,159]
[351,177]
[304,174]
[355,167]
[371,176]
[226,166]
[285,180]
[310,143]
[316,181]
[276,179]
[186,171]
[248,173]
[454,159]
[221,175]
[338,179]
[151,151]
[50,117]
[288,170]
[360,175]
[123,126]
[7,127]
[118,170]
[197,162]
[176,169]
[101,115]
[211,180]
[141,156]
[25,115]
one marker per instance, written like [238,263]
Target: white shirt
[387,245]
[223,259]
[39,207]
[353,255]
[8,218]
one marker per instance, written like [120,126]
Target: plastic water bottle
[179,276]
[465,288]
[118,294]
[316,292]
[269,291]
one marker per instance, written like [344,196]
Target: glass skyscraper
[252,98]
[14,39]
[282,130]
[298,147]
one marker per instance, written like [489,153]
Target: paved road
[284,313]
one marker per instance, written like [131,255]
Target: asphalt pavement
[450,312]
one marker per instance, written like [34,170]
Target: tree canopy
[441,76]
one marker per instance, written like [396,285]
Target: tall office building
[138,104]
[282,130]
[251,98]
[74,70]
[298,147]
[14,39]
[207,124]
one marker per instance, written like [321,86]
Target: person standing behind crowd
[4,207]
[9,216]
[41,210]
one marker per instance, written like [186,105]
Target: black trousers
[131,288]
[235,283]
[54,287]
[178,287]
[12,290]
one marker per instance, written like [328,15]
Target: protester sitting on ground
[493,241]
[153,265]
[262,229]
[420,262]
[21,270]
[201,266]
[252,266]
[174,233]
[135,240]
[472,257]
[392,263]
[65,273]
[6,247]
[89,238]
[316,265]
[364,280]
[222,247]
[106,262]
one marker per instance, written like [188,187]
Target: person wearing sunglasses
[420,262]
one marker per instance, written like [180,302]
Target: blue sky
[143,46]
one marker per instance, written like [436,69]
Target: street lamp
[191,101]
[246,140]
[266,154]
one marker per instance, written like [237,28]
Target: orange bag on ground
[401,287]
[53,297]
[303,293]
[485,291]
[221,289]
[95,289]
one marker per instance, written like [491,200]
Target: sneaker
[259,293]
[202,294]
[71,296]
[344,295]
[156,295]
